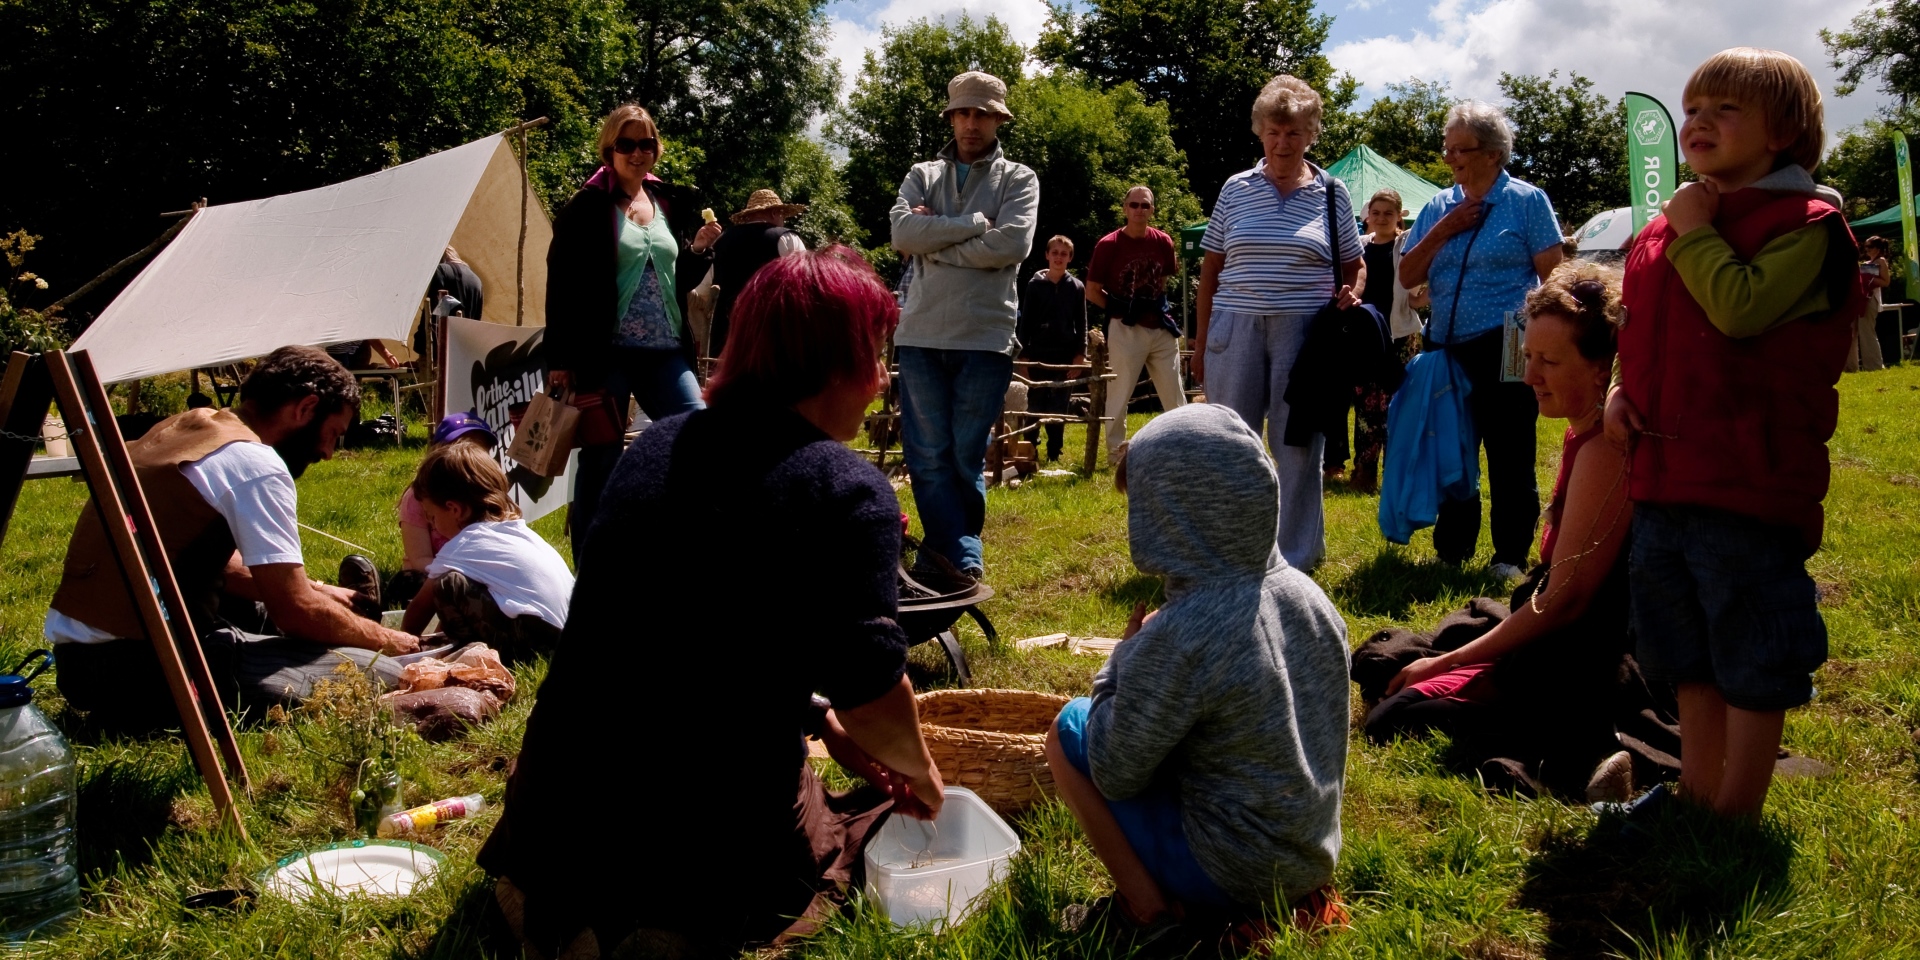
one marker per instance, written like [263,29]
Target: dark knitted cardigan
[583,271]
[741,561]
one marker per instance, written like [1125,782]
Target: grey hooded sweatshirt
[1236,691]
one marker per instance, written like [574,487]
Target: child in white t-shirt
[495,581]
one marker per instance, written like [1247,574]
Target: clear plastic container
[39,873]
[935,874]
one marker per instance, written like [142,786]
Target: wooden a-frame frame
[31,382]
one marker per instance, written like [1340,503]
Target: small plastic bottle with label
[419,820]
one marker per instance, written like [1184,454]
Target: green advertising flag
[1903,161]
[1653,166]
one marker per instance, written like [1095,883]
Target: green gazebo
[1365,171]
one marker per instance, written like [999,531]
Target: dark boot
[358,574]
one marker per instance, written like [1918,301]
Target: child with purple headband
[418,538]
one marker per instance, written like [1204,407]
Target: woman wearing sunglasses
[626,249]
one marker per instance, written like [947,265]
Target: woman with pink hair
[737,595]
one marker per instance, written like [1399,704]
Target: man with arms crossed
[967,220]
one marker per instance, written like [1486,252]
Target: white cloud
[1645,45]
[854,33]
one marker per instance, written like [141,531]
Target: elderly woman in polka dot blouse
[1269,267]
[1480,247]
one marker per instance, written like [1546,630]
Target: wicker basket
[992,742]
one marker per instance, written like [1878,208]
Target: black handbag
[1345,346]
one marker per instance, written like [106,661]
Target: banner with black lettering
[1653,162]
[494,370]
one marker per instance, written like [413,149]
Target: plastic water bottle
[39,872]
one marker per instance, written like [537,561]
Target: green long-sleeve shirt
[1782,282]
[1747,298]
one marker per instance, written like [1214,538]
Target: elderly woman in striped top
[1269,268]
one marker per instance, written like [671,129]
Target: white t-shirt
[521,571]
[251,488]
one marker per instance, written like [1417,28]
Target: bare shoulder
[1597,461]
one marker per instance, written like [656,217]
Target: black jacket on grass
[741,561]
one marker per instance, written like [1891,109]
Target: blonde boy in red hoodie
[1738,301]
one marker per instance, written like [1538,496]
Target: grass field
[1433,865]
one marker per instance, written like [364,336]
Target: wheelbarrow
[933,597]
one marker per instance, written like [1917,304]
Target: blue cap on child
[453,426]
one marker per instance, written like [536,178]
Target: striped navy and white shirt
[1278,259]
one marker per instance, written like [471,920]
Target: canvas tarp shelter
[351,261]
[1364,171]
[1890,217]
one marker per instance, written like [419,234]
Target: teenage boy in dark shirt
[1053,330]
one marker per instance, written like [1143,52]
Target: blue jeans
[949,403]
[1152,821]
[664,385]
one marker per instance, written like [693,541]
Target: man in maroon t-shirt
[1128,277]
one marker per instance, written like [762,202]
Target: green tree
[735,78]
[1861,167]
[1883,43]
[1206,61]
[1088,147]
[118,110]
[21,326]
[891,120]
[1568,141]
[1408,126]
[807,174]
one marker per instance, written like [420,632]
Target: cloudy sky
[1644,45]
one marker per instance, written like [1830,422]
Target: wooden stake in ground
[1096,396]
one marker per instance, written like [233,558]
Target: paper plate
[374,868]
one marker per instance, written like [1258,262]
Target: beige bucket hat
[763,200]
[982,91]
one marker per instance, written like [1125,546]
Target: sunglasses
[629,144]
[1136,205]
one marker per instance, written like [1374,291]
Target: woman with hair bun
[738,596]
[1538,689]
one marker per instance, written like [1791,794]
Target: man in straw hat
[758,237]
[966,219]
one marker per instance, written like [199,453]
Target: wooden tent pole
[526,187]
[146,251]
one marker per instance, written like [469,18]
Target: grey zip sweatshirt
[1236,691]
[965,291]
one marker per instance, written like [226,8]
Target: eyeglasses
[629,144]
[1137,205]
[1451,152]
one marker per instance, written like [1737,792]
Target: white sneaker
[1506,571]
[1612,780]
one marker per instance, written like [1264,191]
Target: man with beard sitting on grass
[220,484]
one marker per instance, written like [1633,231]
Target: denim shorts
[1151,821]
[1725,599]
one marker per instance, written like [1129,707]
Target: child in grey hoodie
[1207,766]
